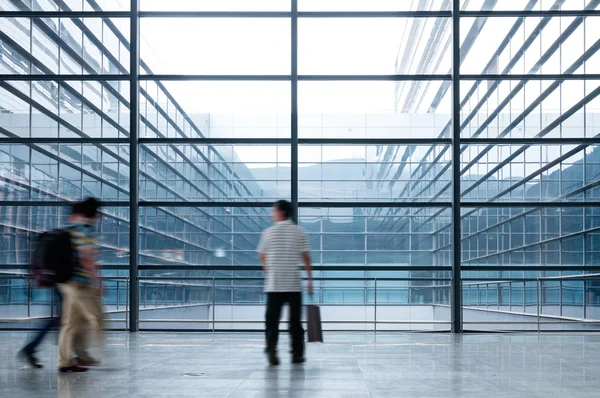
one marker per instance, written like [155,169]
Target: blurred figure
[28,351]
[82,307]
[281,249]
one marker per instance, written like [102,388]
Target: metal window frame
[134,148]
[302,14]
[456,283]
[455,142]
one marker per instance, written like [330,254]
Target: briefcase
[315,333]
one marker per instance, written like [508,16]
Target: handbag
[315,332]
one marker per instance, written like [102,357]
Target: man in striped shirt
[281,249]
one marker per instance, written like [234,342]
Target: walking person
[29,350]
[82,308]
[282,248]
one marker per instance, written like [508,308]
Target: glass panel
[73,109]
[530,236]
[530,109]
[345,46]
[55,172]
[373,172]
[214,172]
[377,237]
[530,173]
[512,5]
[213,236]
[225,46]
[20,224]
[503,45]
[63,45]
[370,110]
[215,109]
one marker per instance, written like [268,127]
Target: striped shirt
[283,244]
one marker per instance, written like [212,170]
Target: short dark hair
[285,207]
[88,208]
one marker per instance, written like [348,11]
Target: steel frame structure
[450,137]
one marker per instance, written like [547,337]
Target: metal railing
[371,288]
[318,288]
[29,286]
[536,287]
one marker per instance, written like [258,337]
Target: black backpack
[53,258]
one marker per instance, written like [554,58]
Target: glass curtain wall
[441,155]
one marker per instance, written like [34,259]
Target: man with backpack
[81,293]
[58,259]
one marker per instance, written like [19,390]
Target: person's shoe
[87,362]
[273,359]
[296,359]
[30,359]
[72,369]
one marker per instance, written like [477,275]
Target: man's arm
[263,261]
[308,268]
[305,248]
[262,250]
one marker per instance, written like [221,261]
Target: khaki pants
[81,312]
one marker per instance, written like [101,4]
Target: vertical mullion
[294,108]
[456,300]
[134,82]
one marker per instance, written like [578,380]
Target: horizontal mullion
[209,141]
[149,279]
[393,77]
[567,268]
[62,140]
[41,203]
[215,14]
[302,141]
[374,141]
[570,76]
[315,268]
[301,14]
[355,204]
[163,203]
[300,204]
[402,77]
[530,141]
[65,14]
[63,77]
[26,268]
[375,14]
[186,77]
[470,204]
[530,13]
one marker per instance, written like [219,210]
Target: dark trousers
[275,302]
[53,322]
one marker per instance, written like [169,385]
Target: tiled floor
[347,365]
